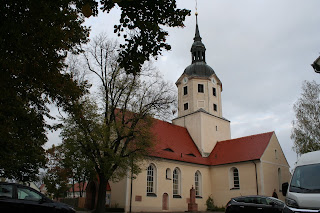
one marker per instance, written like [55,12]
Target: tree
[65,167]
[113,127]
[306,127]
[56,177]
[35,39]
[81,169]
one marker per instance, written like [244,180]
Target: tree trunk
[82,188]
[73,187]
[101,204]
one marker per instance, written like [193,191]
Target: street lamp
[316,65]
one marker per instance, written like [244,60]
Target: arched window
[235,178]
[168,174]
[279,179]
[198,183]
[176,183]
[151,180]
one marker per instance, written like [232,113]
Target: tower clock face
[213,81]
[185,80]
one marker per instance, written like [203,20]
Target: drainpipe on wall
[131,184]
[255,168]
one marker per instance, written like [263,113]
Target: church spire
[198,49]
[197,34]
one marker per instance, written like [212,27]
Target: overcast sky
[260,49]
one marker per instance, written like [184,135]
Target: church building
[196,151]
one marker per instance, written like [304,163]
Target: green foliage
[211,207]
[80,168]
[306,127]
[140,25]
[35,37]
[66,164]
[210,204]
[56,178]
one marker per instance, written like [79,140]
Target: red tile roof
[174,143]
[177,139]
[240,149]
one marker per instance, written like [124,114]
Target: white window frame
[176,183]
[234,178]
[198,183]
[151,180]
[168,174]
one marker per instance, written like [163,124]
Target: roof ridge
[172,124]
[247,136]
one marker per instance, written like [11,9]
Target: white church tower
[199,101]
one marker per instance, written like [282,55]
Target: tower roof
[198,67]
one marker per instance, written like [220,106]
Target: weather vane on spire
[196,7]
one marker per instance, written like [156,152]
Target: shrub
[210,204]
[212,207]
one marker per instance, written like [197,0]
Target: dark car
[19,198]
[250,204]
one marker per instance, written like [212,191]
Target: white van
[303,192]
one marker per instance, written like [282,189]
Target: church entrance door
[165,201]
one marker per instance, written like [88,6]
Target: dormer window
[168,150]
[200,88]
[191,154]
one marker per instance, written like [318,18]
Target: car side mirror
[285,188]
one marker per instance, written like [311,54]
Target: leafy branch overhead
[140,25]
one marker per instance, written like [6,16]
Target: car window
[276,201]
[5,191]
[28,194]
[249,200]
[239,199]
[255,200]
[261,200]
